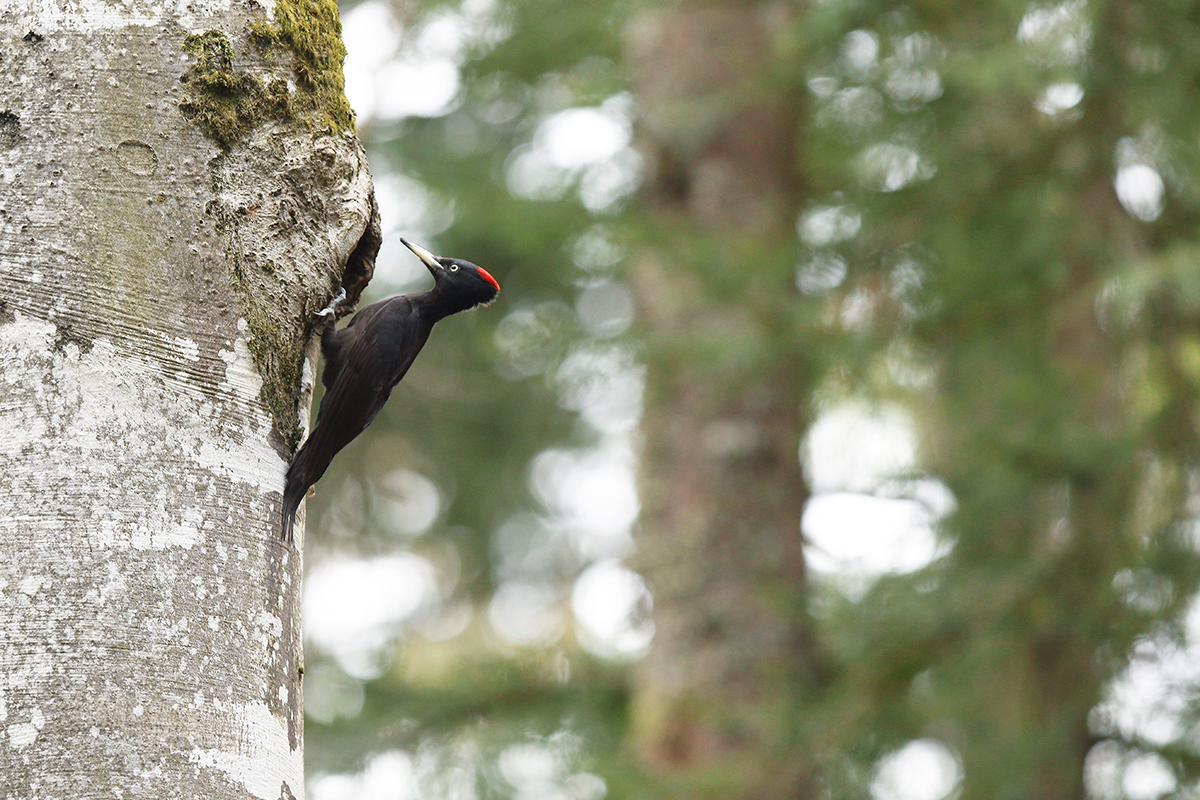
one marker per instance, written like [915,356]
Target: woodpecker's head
[454,278]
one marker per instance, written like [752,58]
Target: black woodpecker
[365,360]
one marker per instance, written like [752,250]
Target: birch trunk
[181,189]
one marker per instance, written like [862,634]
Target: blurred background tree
[919,280]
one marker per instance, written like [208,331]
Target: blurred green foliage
[485,397]
[1007,249]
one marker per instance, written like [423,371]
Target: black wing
[334,343]
[364,361]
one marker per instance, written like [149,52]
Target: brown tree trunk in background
[722,491]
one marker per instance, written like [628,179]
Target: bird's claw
[331,309]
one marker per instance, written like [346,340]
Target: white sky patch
[354,608]
[536,770]
[607,182]
[1103,770]
[406,502]
[865,536]
[531,175]
[370,31]
[604,384]
[822,85]
[592,494]
[373,30]
[390,775]
[907,83]
[451,620]
[915,85]
[592,498]
[855,447]
[1140,190]
[529,338]
[924,769]
[579,137]
[854,107]
[611,604]
[1138,183]
[392,73]
[889,167]
[407,208]
[824,226]
[443,34]
[1059,97]
[412,207]
[330,694]
[1056,33]
[525,613]
[419,87]
[822,273]
[869,515]
[588,144]
[605,309]
[595,251]
[530,765]
[1148,777]
[1149,700]
[860,52]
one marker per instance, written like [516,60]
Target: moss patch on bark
[311,31]
[226,98]
[225,102]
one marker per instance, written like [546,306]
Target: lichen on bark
[227,97]
[225,102]
[272,246]
[312,32]
[271,97]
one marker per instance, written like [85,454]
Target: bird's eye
[454,267]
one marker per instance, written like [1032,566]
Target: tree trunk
[182,188]
[721,484]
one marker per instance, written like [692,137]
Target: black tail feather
[293,493]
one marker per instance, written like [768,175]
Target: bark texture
[157,288]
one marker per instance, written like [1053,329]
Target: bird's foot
[331,309]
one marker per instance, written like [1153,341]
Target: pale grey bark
[149,615]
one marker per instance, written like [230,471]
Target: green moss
[212,48]
[277,350]
[227,102]
[291,71]
[275,344]
[262,32]
[278,354]
[311,31]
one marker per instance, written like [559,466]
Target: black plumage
[365,360]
